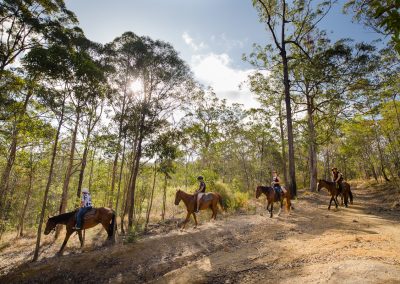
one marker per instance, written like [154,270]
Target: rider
[276,184]
[337,178]
[86,205]
[200,192]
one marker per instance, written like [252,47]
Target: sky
[210,35]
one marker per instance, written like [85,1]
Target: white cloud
[215,70]
[228,43]
[190,41]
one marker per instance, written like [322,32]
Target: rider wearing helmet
[86,205]
[200,192]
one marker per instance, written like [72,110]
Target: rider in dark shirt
[200,192]
[276,184]
[337,178]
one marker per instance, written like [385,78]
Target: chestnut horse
[271,198]
[334,192]
[105,216]
[208,201]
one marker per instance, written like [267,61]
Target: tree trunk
[49,179]
[115,165]
[132,188]
[312,151]
[4,182]
[151,197]
[164,196]
[84,158]
[119,188]
[283,144]
[135,168]
[91,169]
[27,198]
[292,168]
[64,196]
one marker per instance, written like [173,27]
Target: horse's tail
[221,203]
[351,196]
[288,201]
[112,225]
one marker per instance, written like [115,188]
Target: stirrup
[76,228]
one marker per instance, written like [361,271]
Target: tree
[382,16]
[28,24]
[289,25]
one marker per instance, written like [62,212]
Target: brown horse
[334,192]
[208,201]
[102,215]
[272,197]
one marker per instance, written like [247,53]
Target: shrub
[232,199]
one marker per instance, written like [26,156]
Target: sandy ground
[359,244]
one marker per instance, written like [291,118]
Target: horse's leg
[67,235]
[186,220]
[214,210]
[336,202]
[80,238]
[272,209]
[330,202]
[280,208]
[195,219]
[346,199]
[268,205]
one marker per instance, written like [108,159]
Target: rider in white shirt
[86,205]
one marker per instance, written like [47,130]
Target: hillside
[360,244]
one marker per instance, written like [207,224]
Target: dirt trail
[360,244]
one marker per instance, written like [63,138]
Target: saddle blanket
[206,197]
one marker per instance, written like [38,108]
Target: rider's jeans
[80,214]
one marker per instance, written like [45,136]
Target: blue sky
[211,35]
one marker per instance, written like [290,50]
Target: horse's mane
[186,193]
[62,217]
[328,182]
[265,188]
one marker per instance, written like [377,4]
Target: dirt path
[360,244]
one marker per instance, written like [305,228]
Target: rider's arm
[201,187]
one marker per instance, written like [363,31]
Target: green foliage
[382,16]
[231,198]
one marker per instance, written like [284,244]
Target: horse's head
[178,197]
[258,191]
[50,226]
[319,185]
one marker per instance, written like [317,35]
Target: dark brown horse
[272,197]
[332,189]
[102,215]
[334,192]
[208,201]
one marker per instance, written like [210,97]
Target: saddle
[206,197]
[88,214]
